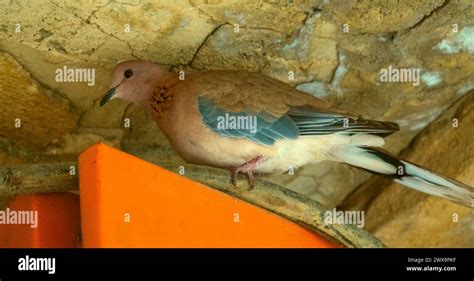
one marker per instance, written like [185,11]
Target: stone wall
[336,50]
[401,217]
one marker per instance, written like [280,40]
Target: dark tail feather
[408,174]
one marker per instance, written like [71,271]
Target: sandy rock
[401,217]
[227,49]
[306,38]
[381,16]
[87,28]
[29,113]
[282,17]
[78,141]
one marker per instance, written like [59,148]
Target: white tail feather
[407,174]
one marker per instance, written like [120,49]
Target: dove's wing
[281,112]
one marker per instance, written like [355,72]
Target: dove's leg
[248,169]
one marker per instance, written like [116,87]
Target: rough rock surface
[381,16]
[334,49]
[400,217]
[30,113]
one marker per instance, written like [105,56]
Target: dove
[253,124]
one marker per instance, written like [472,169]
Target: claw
[251,180]
[234,172]
[246,168]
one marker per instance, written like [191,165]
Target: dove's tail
[408,174]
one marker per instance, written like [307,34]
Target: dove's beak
[108,96]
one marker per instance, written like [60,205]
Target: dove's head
[134,81]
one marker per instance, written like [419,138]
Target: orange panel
[55,218]
[127,202]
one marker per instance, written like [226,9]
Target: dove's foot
[248,169]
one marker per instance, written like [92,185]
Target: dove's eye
[128,73]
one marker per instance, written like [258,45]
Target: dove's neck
[162,95]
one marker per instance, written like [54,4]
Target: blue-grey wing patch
[310,122]
[255,127]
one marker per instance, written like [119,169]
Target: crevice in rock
[202,11]
[87,21]
[219,25]
[394,33]
[304,23]
[420,22]
[204,42]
